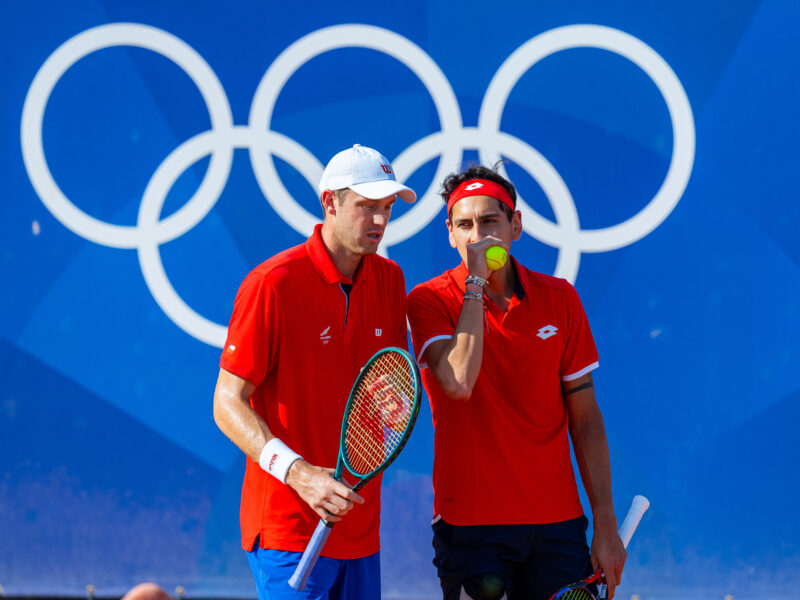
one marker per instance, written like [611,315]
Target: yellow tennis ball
[496,257]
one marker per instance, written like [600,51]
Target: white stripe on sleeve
[581,373]
[424,365]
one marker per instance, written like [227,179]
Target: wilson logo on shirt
[378,332]
[547,331]
[324,337]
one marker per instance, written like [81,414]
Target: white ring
[373,38]
[153,200]
[76,48]
[683,134]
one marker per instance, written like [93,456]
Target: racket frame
[312,552]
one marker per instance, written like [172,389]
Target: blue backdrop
[154,152]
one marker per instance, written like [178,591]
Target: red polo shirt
[502,457]
[302,340]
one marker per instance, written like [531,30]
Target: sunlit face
[475,217]
[359,223]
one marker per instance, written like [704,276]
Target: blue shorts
[331,579]
[529,562]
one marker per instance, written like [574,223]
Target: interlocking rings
[449,143]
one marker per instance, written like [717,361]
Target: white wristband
[276,458]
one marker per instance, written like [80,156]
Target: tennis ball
[495,257]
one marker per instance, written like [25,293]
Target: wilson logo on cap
[386,168]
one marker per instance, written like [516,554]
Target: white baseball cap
[366,172]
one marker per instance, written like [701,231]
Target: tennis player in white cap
[303,324]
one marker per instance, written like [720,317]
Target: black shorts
[531,561]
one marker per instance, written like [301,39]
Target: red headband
[479,187]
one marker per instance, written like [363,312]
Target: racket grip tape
[300,578]
[638,507]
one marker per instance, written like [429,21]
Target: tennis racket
[378,419]
[580,590]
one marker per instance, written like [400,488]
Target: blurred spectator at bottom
[147,591]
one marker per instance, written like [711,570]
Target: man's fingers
[345,492]
[611,582]
[338,506]
[328,516]
[595,563]
[333,508]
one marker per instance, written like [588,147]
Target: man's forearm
[591,453]
[234,416]
[459,363]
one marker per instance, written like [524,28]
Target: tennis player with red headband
[507,357]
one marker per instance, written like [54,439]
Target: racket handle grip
[638,507]
[309,559]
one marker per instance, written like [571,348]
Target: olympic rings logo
[449,143]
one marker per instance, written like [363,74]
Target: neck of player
[346,261]
[501,286]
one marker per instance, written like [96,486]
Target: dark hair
[453,180]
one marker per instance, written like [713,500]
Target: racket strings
[575,593]
[380,412]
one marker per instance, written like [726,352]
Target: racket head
[380,414]
[576,591]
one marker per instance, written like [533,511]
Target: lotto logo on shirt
[547,331]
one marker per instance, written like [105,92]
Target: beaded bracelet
[473,296]
[476,280]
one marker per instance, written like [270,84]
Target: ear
[516,226]
[328,201]
[450,233]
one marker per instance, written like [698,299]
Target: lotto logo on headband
[489,188]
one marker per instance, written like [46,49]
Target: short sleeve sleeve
[429,320]
[580,354]
[251,346]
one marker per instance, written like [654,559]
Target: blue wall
[155,152]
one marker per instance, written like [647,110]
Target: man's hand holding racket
[581,590]
[330,499]
[608,552]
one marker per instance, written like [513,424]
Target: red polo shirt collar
[324,263]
